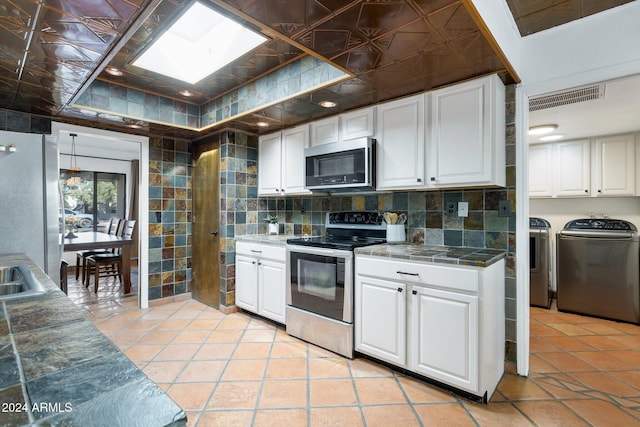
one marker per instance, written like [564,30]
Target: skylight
[200,42]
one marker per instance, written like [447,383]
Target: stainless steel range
[320,279]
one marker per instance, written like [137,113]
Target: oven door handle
[319,251]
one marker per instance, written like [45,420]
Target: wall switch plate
[451,208]
[463,209]
[504,208]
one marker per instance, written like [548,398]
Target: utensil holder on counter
[396,233]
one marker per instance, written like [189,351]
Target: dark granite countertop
[475,257]
[57,368]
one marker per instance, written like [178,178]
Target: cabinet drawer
[278,253]
[457,278]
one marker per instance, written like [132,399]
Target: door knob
[214,233]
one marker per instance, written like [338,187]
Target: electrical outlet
[504,208]
[463,209]
[451,208]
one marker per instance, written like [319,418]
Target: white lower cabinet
[443,322]
[444,350]
[261,280]
[381,325]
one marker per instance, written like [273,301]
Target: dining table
[91,240]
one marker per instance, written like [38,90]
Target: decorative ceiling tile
[453,21]
[392,47]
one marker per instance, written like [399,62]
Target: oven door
[321,281]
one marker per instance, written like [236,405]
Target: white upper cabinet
[357,124]
[540,170]
[572,169]
[467,134]
[281,162]
[294,141]
[615,164]
[604,166]
[351,125]
[269,164]
[400,133]
[325,131]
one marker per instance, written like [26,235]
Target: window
[91,199]
[200,42]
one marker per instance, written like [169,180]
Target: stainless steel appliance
[539,262]
[341,166]
[29,192]
[320,279]
[598,269]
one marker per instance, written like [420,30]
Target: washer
[539,262]
[598,269]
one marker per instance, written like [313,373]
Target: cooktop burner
[337,242]
[347,231]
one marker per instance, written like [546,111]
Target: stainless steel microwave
[341,166]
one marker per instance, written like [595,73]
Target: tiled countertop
[269,239]
[440,254]
[57,368]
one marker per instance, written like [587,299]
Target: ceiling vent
[566,97]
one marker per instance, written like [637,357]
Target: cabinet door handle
[407,274]
[253,262]
[419,179]
[399,289]
[255,251]
[259,263]
[433,178]
[414,292]
[599,191]
[214,233]
[586,191]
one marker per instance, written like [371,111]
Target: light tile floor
[241,370]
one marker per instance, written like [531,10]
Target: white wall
[592,49]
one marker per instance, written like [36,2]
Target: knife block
[396,233]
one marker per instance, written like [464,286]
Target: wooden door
[205,239]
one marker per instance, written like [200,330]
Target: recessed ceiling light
[200,42]
[133,124]
[542,129]
[262,124]
[327,104]
[185,92]
[114,71]
[555,137]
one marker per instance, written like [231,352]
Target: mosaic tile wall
[428,222]
[300,76]
[119,100]
[26,123]
[170,207]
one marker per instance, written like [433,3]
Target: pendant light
[74,170]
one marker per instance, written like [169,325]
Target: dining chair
[113,228]
[108,264]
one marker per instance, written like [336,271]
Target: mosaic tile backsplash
[243,212]
[428,220]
